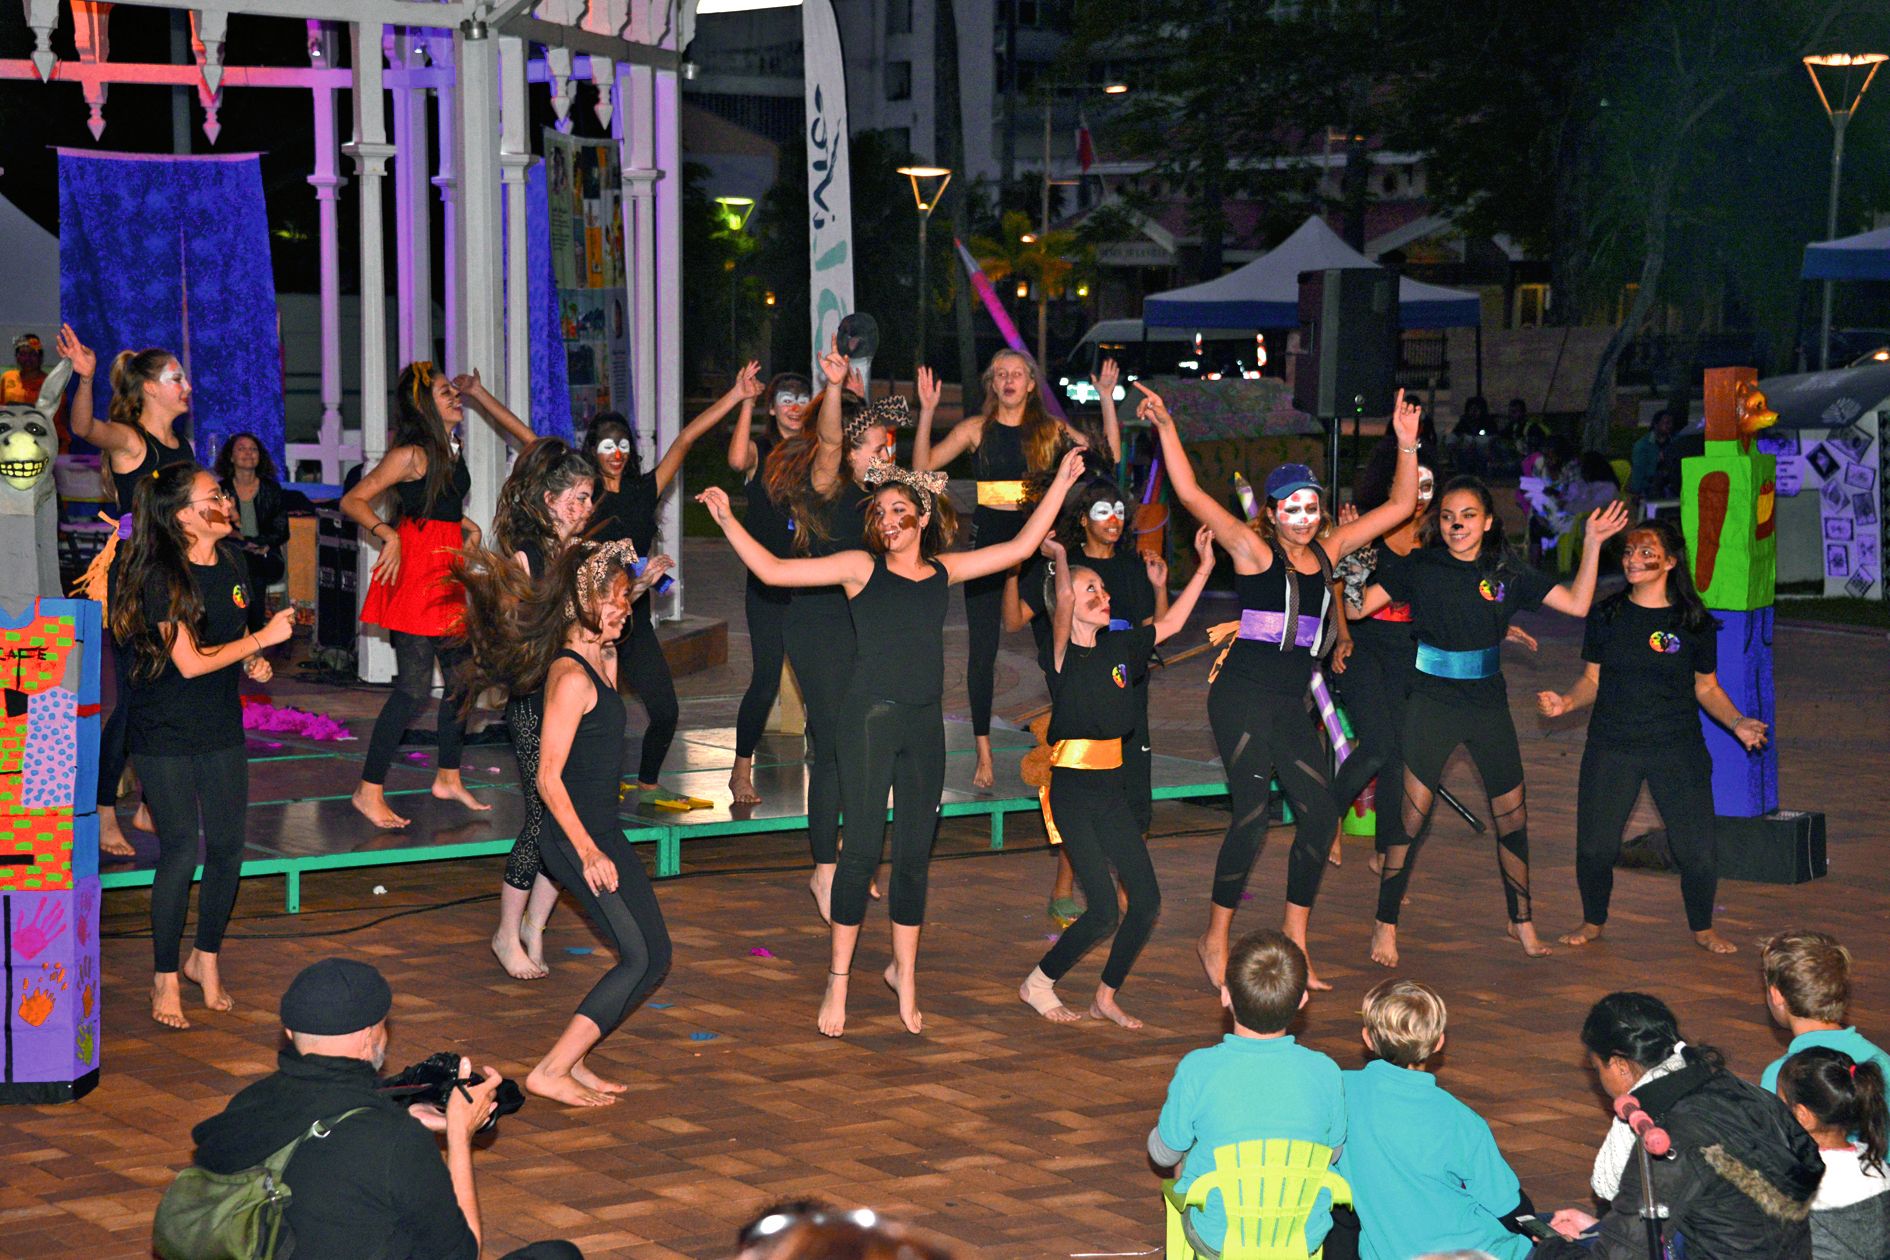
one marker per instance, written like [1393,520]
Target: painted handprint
[31,938]
[88,912]
[88,987]
[85,1044]
[36,1004]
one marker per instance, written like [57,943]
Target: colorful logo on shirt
[1664,641]
[1121,674]
[239,596]
[1492,590]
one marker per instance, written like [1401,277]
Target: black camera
[433,1079]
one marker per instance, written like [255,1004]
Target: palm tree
[1052,262]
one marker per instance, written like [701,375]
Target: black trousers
[191,794]
[642,668]
[984,615]
[112,734]
[886,746]
[629,916]
[819,642]
[1092,812]
[265,570]
[1262,736]
[522,864]
[1375,689]
[414,658]
[1681,780]
[767,611]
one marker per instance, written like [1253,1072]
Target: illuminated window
[1532,305]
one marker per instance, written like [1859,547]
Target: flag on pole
[829,175]
[1085,150]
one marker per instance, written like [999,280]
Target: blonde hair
[1042,434]
[1404,1019]
[1811,972]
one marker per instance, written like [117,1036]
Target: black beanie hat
[334,997]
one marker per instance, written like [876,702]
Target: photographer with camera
[370,1184]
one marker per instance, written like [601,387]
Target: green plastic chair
[1268,1189]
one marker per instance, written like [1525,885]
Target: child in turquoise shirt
[1257,1083]
[1425,1172]
[1808,991]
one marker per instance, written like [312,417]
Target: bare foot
[907,987]
[370,801]
[1039,993]
[111,838]
[1713,943]
[741,782]
[142,820]
[1213,956]
[820,883]
[512,956]
[565,1088]
[1337,856]
[1298,937]
[532,937]
[832,1020]
[454,789]
[167,1003]
[1525,933]
[1582,935]
[582,1074]
[1385,944]
[983,776]
[1104,1007]
[201,970]
[872,888]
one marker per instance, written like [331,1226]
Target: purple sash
[1270,627]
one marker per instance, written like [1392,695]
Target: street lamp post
[928,185]
[1843,69]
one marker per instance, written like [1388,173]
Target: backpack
[232,1216]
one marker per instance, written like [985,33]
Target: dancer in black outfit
[788,395]
[1097,672]
[1463,589]
[892,729]
[559,635]
[179,617]
[627,499]
[1015,439]
[544,504]
[1653,660]
[1257,701]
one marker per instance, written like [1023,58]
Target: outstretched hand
[1604,523]
[1152,409]
[468,383]
[748,386]
[716,500]
[930,390]
[653,573]
[1204,546]
[1521,638]
[1105,380]
[1157,569]
[1404,420]
[836,367]
[84,361]
[1070,471]
[1348,512]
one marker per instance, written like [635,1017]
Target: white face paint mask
[1426,486]
[1298,509]
[1100,512]
[789,400]
[614,446]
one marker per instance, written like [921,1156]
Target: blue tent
[1265,292]
[1865,256]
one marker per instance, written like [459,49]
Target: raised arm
[925,456]
[1157,570]
[1015,614]
[850,569]
[1249,553]
[84,424]
[962,566]
[510,427]
[1574,596]
[744,391]
[1719,706]
[741,440]
[828,430]
[1555,704]
[193,661]
[1170,622]
[1396,510]
[1063,611]
[1105,383]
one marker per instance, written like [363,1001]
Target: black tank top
[899,626]
[449,506]
[763,518]
[1285,671]
[156,456]
[594,769]
[1001,453]
[845,518]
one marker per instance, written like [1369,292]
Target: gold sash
[1000,494]
[1087,754]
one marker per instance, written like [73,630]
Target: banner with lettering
[829,191]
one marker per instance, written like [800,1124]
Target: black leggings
[1262,736]
[207,792]
[1681,780]
[820,645]
[523,863]
[630,916]
[1375,688]
[1099,832]
[1138,759]
[642,668]
[113,734]
[265,571]
[984,615]
[414,657]
[767,611]
[888,746]
[1433,729]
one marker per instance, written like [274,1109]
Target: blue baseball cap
[1287,478]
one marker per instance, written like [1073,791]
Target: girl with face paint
[1256,703]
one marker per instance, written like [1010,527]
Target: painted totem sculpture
[1728,511]
[49,889]
[29,508]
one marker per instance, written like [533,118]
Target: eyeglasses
[172,376]
[615,446]
[216,496]
[1100,512]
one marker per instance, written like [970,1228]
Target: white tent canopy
[29,301]
[1265,292]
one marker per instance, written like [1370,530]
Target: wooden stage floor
[1002,1133]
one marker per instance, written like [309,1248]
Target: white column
[336,453]
[635,118]
[515,158]
[476,245]
[413,200]
[665,129]
[370,150]
[444,52]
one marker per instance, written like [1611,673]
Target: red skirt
[423,598]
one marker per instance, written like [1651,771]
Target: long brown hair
[514,626]
[546,468]
[1042,434]
[789,474]
[417,423]
[158,546]
[131,371]
[940,530]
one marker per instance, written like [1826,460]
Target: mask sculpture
[29,509]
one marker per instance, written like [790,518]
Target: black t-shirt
[1124,576]
[845,519]
[534,558]
[1095,692]
[629,511]
[175,716]
[1647,661]
[1458,607]
[762,517]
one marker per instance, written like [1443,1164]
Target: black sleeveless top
[1273,669]
[594,769]
[450,506]
[763,518]
[156,456]
[1001,453]
[845,518]
[899,625]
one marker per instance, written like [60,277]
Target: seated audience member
[1425,1171]
[1648,464]
[1840,1103]
[807,1229]
[246,472]
[375,1187]
[1808,993]
[1257,1083]
[1739,1181]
